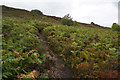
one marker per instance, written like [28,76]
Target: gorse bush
[35,11]
[67,20]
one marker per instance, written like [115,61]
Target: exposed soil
[59,70]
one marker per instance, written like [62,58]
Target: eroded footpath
[58,70]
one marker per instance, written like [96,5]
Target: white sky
[102,12]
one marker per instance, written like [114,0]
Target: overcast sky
[102,12]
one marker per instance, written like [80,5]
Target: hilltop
[14,12]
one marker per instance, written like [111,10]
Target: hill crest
[12,12]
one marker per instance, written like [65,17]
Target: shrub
[75,23]
[116,27]
[92,23]
[37,12]
[67,20]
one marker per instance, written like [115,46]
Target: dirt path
[59,70]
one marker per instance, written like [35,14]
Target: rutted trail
[59,70]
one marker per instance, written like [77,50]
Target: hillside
[38,46]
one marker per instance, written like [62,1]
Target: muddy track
[59,70]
